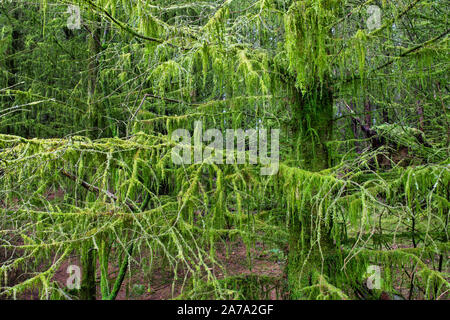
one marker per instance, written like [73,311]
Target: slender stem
[121,276]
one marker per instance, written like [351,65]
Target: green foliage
[85,148]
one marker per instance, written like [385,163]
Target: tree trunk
[368,113]
[95,112]
[11,63]
[88,255]
[89,266]
[312,116]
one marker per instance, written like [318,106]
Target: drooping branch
[95,189]
[402,55]
[414,49]
[130,30]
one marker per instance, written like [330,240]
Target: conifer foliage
[358,90]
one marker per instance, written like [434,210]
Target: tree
[326,72]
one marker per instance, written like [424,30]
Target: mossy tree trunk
[89,254]
[11,63]
[89,266]
[96,112]
[313,125]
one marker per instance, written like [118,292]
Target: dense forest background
[91,92]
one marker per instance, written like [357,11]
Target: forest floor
[161,284]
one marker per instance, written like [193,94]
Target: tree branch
[95,189]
